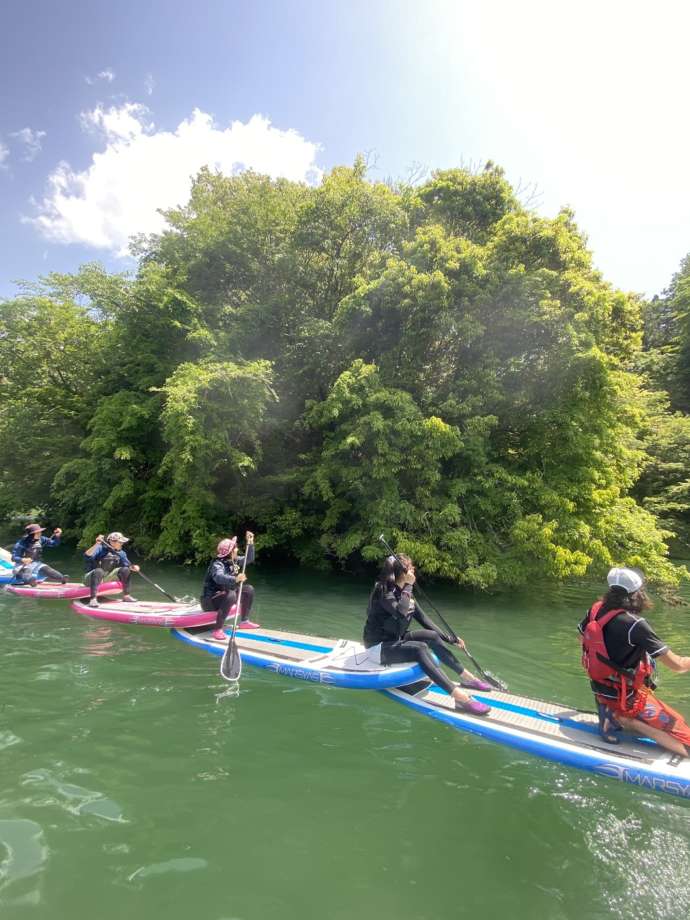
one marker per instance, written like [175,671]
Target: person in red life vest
[619,653]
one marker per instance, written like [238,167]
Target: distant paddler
[27,553]
[619,652]
[223,576]
[390,613]
[107,557]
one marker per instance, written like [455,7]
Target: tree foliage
[325,363]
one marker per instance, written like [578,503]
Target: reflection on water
[134,785]
[25,854]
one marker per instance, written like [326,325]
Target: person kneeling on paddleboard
[619,652]
[223,575]
[26,555]
[107,557]
[390,612]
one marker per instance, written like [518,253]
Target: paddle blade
[494,681]
[231,665]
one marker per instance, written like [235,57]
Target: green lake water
[134,786]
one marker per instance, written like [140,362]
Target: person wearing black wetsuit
[222,578]
[27,553]
[390,612]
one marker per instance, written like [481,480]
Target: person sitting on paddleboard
[391,610]
[107,557]
[222,577]
[26,555]
[619,653]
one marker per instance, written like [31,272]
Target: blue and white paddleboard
[338,662]
[560,733]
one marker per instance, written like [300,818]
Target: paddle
[176,600]
[231,665]
[487,675]
[185,599]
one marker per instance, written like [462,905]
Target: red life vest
[600,668]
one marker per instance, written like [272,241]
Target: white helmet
[628,579]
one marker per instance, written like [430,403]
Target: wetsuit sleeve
[97,553]
[428,623]
[50,541]
[220,577]
[398,609]
[251,556]
[19,551]
[643,636]
[124,558]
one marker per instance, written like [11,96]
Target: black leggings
[418,646]
[94,578]
[31,572]
[222,601]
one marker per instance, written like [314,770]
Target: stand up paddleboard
[6,571]
[147,613]
[338,662]
[565,735]
[69,590]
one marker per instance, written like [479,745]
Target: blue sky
[106,109]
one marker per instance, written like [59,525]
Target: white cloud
[125,122]
[108,75]
[31,140]
[4,153]
[149,83]
[141,170]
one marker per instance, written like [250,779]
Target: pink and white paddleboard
[54,590]
[148,613]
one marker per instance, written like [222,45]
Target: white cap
[628,579]
[116,537]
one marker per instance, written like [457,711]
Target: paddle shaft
[175,600]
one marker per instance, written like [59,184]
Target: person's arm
[397,608]
[97,550]
[18,551]
[428,623]
[674,662]
[221,577]
[53,540]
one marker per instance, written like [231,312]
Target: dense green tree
[326,362]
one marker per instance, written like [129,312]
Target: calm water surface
[134,786]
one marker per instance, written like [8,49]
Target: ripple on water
[644,866]
[76,800]
[7,739]
[181,864]
[25,854]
